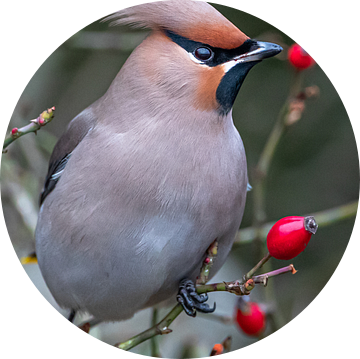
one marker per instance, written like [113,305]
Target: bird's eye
[203,53]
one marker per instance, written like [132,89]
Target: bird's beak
[259,51]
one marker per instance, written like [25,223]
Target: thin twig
[263,278]
[34,126]
[263,165]
[258,266]
[155,352]
[161,328]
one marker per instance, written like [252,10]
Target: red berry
[300,58]
[14,131]
[251,319]
[289,236]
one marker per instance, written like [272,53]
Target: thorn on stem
[165,331]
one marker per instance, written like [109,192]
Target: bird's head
[194,55]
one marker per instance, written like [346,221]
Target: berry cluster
[287,238]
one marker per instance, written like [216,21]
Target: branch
[34,125]
[161,328]
[244,286]
[263,278]
[238,287]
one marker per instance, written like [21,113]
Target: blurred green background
[315,167]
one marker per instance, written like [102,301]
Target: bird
[146,178]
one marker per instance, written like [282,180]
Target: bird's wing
[78,128]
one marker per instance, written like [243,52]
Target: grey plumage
[153,179]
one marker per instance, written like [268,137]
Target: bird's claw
[192,301]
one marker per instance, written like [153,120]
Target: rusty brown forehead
[226,36]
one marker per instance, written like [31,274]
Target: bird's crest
[195,20]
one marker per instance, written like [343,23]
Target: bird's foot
[192,301]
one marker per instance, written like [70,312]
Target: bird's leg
[192,301]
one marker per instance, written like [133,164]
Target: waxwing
[145,179]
